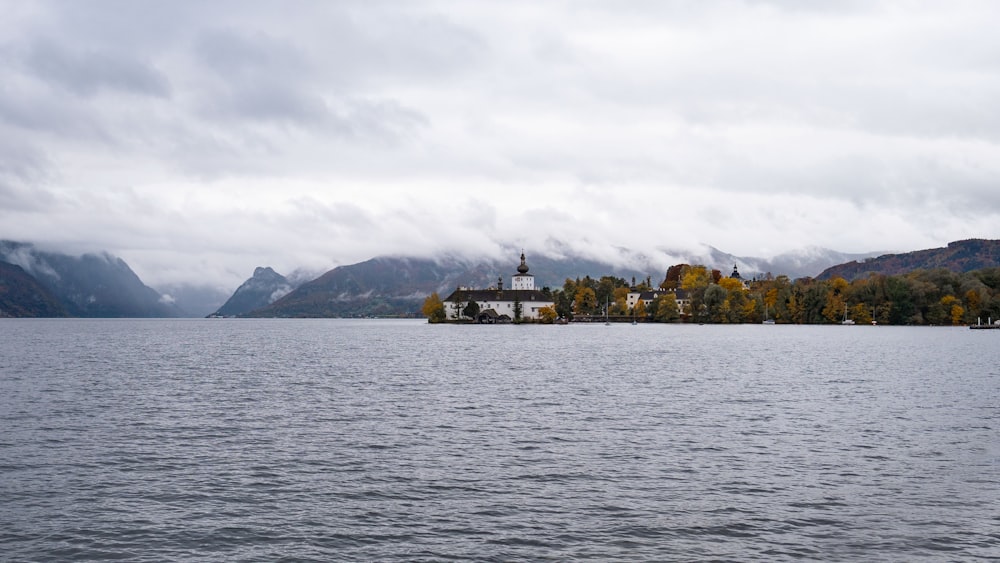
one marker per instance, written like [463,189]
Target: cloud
[202,140]
[86,73]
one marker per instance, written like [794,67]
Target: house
[499,305]
[647,297]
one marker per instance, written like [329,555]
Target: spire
[523,268]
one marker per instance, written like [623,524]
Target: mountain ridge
[89,285]
[21,295]
[397,285]
[958,256]
[263,288]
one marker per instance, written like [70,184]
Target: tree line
[920,297]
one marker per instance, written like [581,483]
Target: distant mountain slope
[806,262]
[262,289]
[398,286]
[92,285]
[380,286]
[21,295]
[959,256]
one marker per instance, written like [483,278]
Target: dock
[989,325]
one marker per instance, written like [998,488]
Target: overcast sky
[198,140]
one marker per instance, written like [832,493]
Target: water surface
[225,439]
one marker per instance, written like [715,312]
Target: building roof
[522,270]
[522,295]
[653,294]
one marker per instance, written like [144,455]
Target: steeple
[522,279]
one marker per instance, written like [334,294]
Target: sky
[198,140]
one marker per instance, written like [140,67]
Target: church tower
[522,279]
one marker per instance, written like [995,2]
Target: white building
[647,297]
[497,305]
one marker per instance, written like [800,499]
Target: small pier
[989,325]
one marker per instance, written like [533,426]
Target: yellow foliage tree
[696,277]
[433,308]
[548,314]
[973,300]
[771,297]
[731,285]
[667,310]
[640,309]
[957,314]
[585,301]
[621,304]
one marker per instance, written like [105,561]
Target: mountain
[21,295]
[262,289]
[394,286]
[390,286]
[806,262]
[958,256]
[92,285]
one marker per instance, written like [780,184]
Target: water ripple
[146,440]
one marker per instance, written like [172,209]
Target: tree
[695,278]
[548,314]
[585,301]
[953,308]
[471,310]
[456,307]
[518,309]
[640,309]
[735,308]
[433,308]
[714,298]
[666,308]
[673,277]
[957,314]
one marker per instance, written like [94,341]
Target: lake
[382,440]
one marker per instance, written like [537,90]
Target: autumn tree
[734,308]
[548,314]
[639,311]
[585,301]
[953,308]
[673,277]
[433,308]
[694,280]
[836,303]
[666,308]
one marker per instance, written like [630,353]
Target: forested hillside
[958,256]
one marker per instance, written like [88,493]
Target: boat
[767,319]
[846,320]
